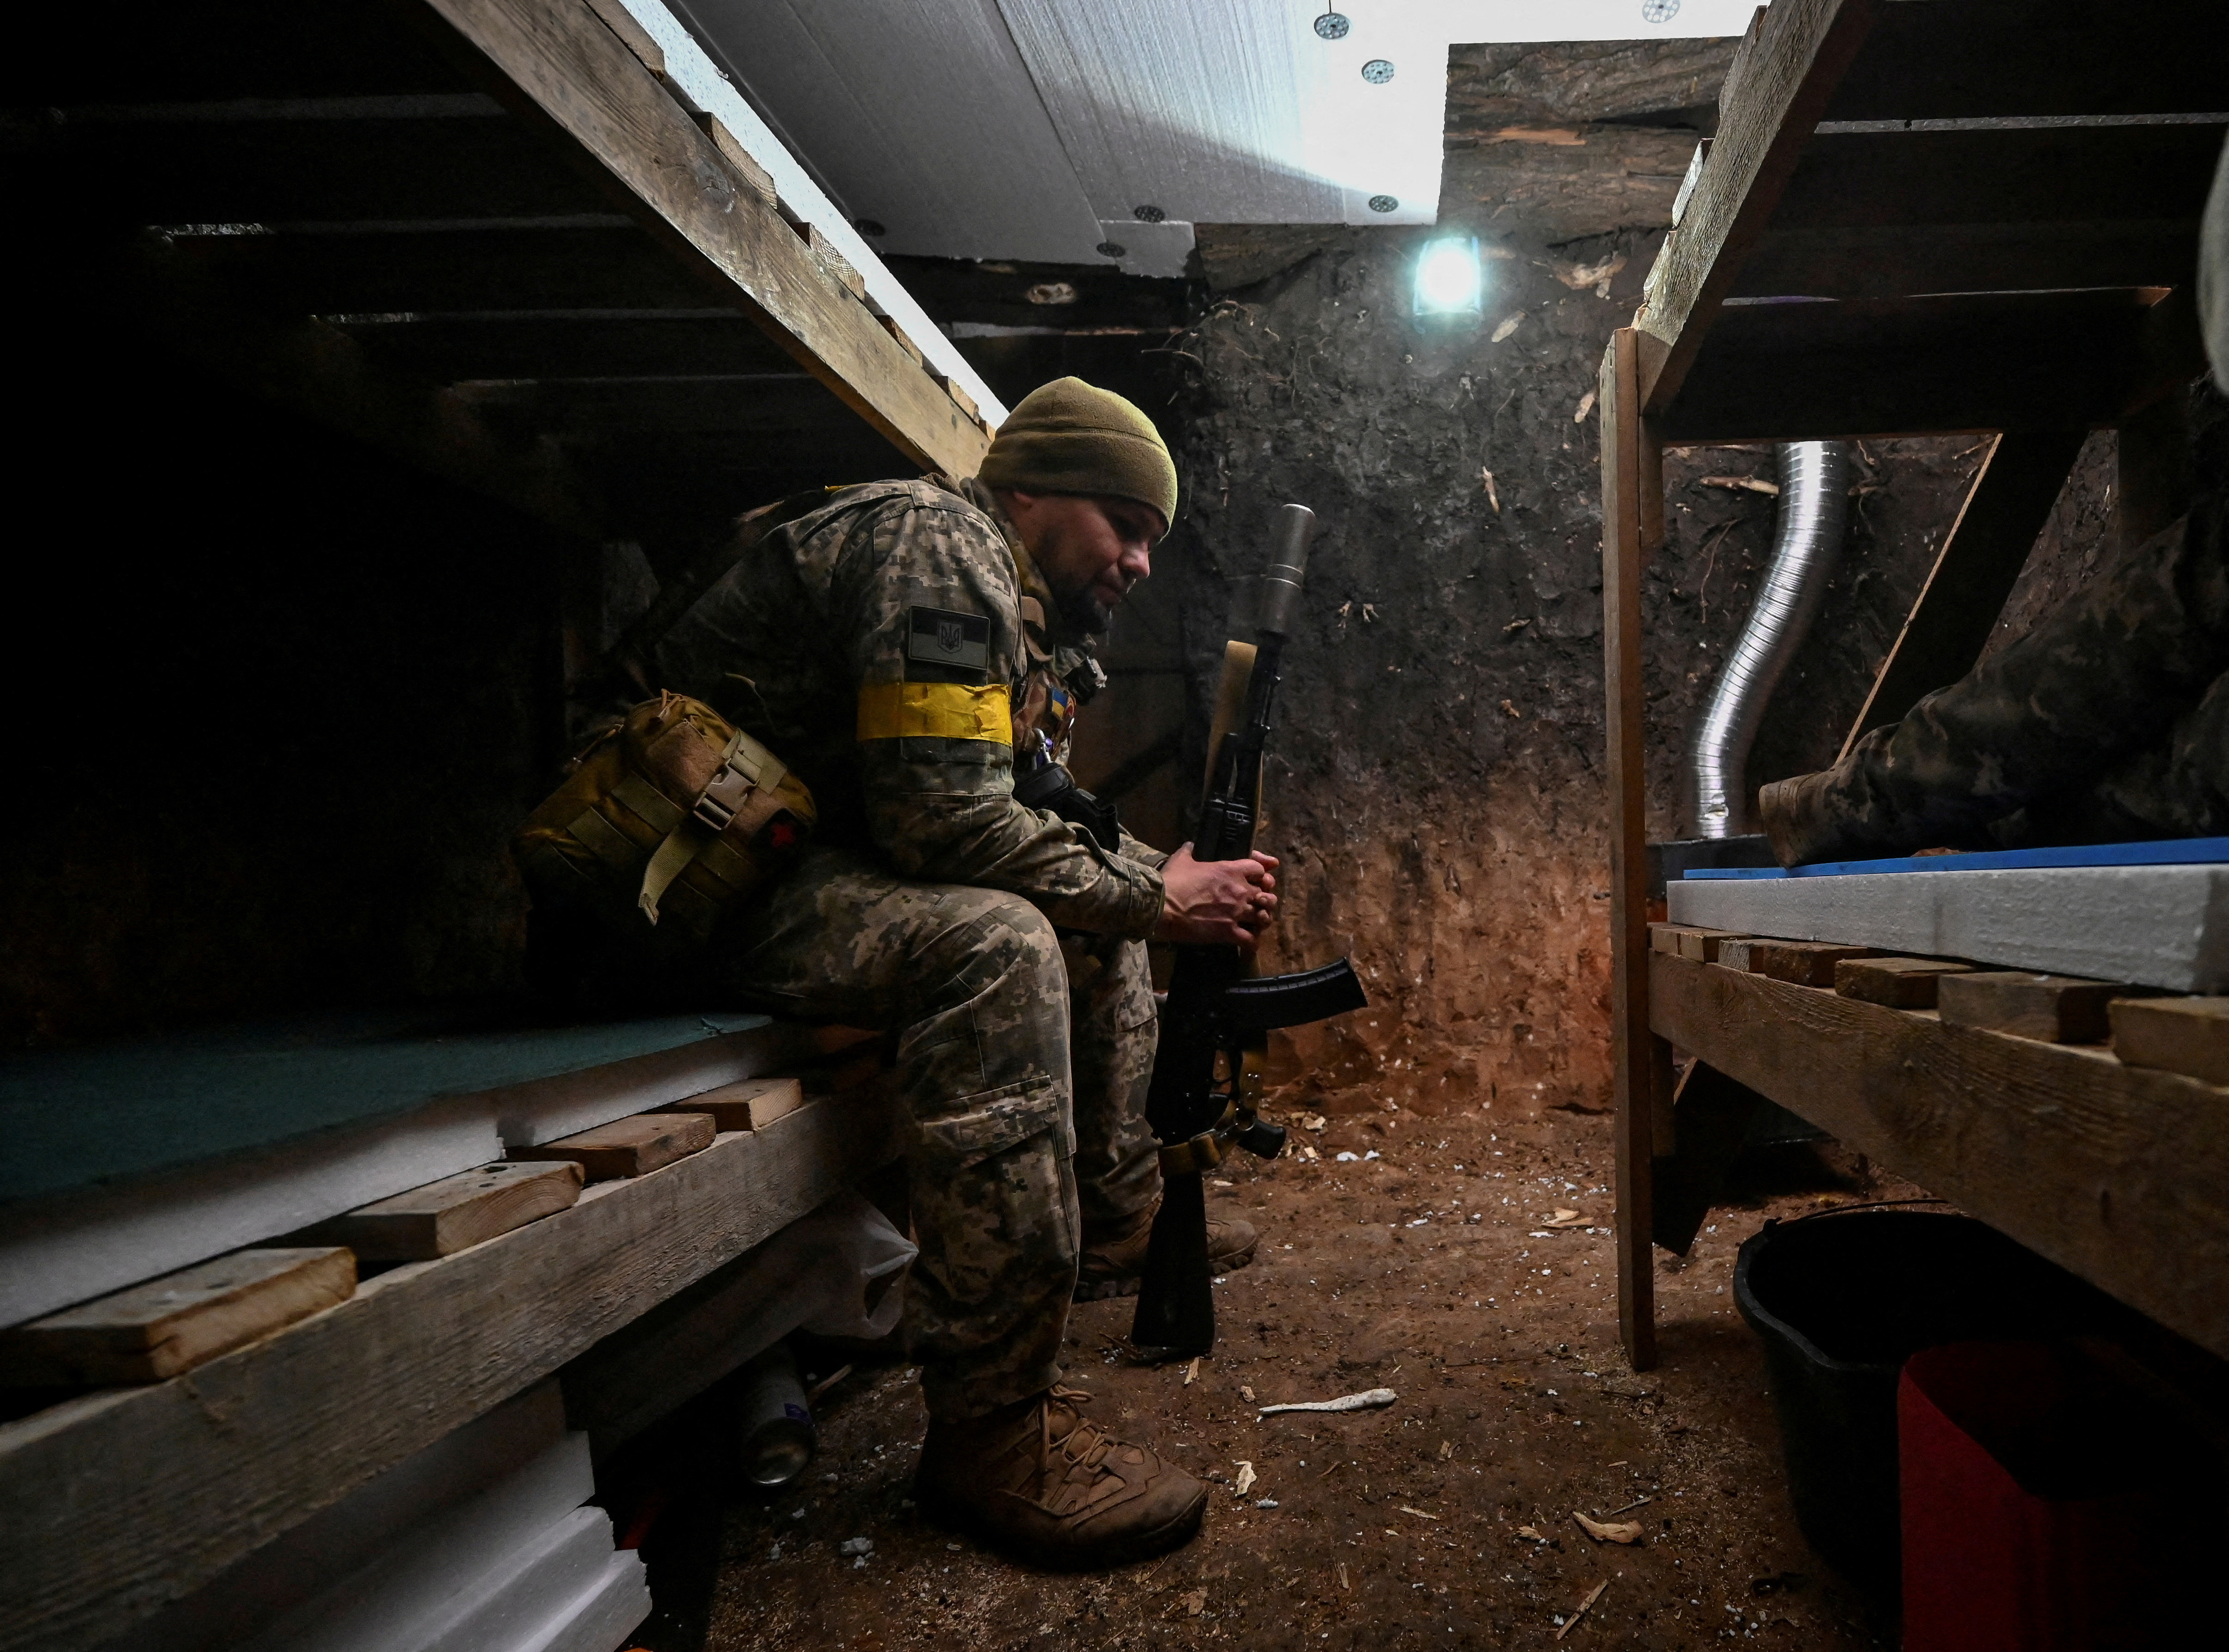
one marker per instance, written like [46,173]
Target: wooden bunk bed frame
[1925,216]
[501,239]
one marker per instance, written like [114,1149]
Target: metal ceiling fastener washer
[1378,70]
[1383,202]
[1332,25]
[1658,11]
[1147,215]
[1111,249]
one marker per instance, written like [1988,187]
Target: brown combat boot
[1113,1261]
[1037,1480]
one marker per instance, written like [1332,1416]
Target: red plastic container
[2049,1503]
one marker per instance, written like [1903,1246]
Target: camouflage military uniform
[893,647]
[2109,721]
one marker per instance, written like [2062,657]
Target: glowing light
[1450,281]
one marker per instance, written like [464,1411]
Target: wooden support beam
[1893,261]
[325,375]
[1980,361]
[326,160]
[114,1503]
[553,58]
[2011,58]
[556,344]
[2152,467]
[1982,557]
[1710,1115]
[1641,1061]
[2113,1172]
[1788,72]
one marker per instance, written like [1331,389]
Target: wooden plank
[553,56]
[347,160]
[2152,470]
[163,1326]
[751,1105]
[745,164]
[2112,1171]
[113,1504]
[322,373]
[1893,261]
[1983,361]
[1900,983]
[1807,963]
[1974,573]
[1641,1061]
[570,345]
[1702,945]
[1711,1114]
[445,1216]
[2009,58]
[629,1147]
[2181,1035]
[2059,1009]
[1788,74]
[598,262]
[1966,177]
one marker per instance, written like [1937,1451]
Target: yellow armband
[946,710]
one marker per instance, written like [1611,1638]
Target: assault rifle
[1215,1010]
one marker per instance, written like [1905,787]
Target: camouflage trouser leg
[2043,721]
[2178,787]
[1111,1045]
[972,982]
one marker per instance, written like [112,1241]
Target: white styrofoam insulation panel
[1035,129]
[2156,926]
[711,90]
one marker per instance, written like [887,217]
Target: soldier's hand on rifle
[1216,902]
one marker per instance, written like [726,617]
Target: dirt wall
[1438,786]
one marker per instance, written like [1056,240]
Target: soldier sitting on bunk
[909,648]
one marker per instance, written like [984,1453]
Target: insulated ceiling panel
[917,115]
[1091,130]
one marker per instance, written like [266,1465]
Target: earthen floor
[1445,1519]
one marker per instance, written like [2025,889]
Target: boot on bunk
[1115,1258]
[1036,1481]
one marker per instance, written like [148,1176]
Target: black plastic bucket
[1841,1301]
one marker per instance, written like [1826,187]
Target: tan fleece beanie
[1070,437]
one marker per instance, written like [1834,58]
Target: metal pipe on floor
[1814,506]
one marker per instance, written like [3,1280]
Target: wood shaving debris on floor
[1369,1399]
[1609,1531]
[1190,1372]
[1418,1513]
[1244,1484]
[1593,1595]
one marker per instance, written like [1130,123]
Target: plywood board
[2159,926]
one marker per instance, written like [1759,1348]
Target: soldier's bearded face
[1090,549]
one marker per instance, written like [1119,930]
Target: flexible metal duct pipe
[1813,504]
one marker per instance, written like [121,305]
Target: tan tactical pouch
[671,818]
